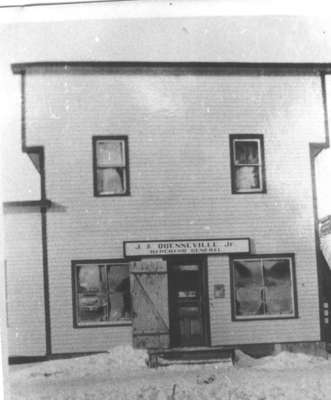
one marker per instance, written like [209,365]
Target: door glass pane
[182,331]
[195,327]
[246,152]
[277,277]
[248,282]
[247,178]
[92,293]
[187,294]
[187,267]
[187,284]
[188,311]
[110,153]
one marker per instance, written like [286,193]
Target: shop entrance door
[188,302]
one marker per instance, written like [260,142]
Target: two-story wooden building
[177,207]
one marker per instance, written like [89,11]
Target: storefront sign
[169,247]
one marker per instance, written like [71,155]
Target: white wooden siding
[178,128]
[24,283]
[226,331]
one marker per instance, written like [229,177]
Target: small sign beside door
[169,247]
[219,291]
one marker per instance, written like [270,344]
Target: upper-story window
[111,172]
[247,164]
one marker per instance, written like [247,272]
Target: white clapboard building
[177,203]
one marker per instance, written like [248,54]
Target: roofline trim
[19,68]
[28,203]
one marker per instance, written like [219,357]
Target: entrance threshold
[191,355]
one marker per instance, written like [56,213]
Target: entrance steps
[190,355]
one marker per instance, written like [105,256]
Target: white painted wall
[178,127]
[323,166]
[24,283]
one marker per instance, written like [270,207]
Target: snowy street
[123,374]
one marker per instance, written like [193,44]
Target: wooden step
[161,362]
[190,355]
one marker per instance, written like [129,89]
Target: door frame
[205,315]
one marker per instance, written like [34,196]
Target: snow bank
[113,362]
[283,360]
[290,360]
[128,357]
[121,374]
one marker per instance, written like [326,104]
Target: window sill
[264,318]
[263,191]
[100,195]
[106,324]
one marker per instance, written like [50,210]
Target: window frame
[291,257]
[6,292]
[125,139]
[247,137]
[74,281]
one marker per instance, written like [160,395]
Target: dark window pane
[248,282]
[110,181]
[247,178]
[277,277]
[195,327]
[92,293]
[246,152]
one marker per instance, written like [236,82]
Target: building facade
[177,207]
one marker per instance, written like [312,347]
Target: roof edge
[27,203]
[19,68]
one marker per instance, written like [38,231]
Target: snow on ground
[122,374]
